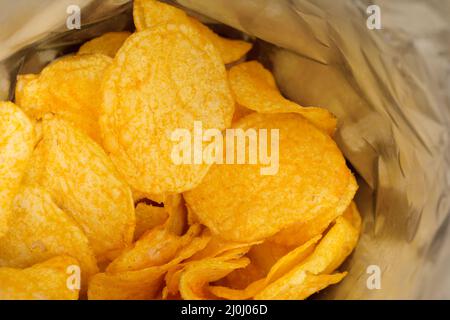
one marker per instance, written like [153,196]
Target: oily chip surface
[43,281]
[84,183]
[162,79]
[16,146]
[107,44]
[69,88]
[238,203]
[40,231]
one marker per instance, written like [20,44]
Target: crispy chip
[142,284]
[69,87]
[40,231]
[44,281]
[336,245]
[16,145]
[254,87]
[155,248]
[107,44]
[197,275]
[247,206]
[148,217]
[255,284]
[149,13]
[240,112]
[176,209]
[83,181]
[143,105]
[298,285]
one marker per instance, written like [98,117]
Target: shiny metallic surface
[389,89]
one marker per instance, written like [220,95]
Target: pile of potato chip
[87,180]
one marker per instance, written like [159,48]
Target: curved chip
[43,281]
[141,284]
[247,206]
[149,13]
[298,285]
[148,217]
[197,275]
[155,248]
[254,87]
[107,44]
[16,146]
[69,88]
[84,183]
[162,80]
[40,231]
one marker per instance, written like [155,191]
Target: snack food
[149,13]
[143,105]
[78,79]
[16,145]
[92,193]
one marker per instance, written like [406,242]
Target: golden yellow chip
[144,106]
[155,248]
[16,146]
[149,13]
[40,231]
[176,209]
[239,203]
[84,183]
[337,244]
[254,87]
[107,44]
[298,285]
[140,284]
[44,281]
[148,217]
[259,276]
[240,112]
[68,87]
[197,275]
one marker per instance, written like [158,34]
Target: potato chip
[300,232]
[144,106]
[155,248]
[197,275]
[16,146]
[84,183]
[44,281]
[247,206]
[40,231]
[149,13]
[257,283]
[107,44]
[298,285]
[240,112]
[254,87]
[142,284]
[336,245]
[176,209]
[68,87]
[148,217]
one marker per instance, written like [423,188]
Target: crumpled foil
[389,89]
